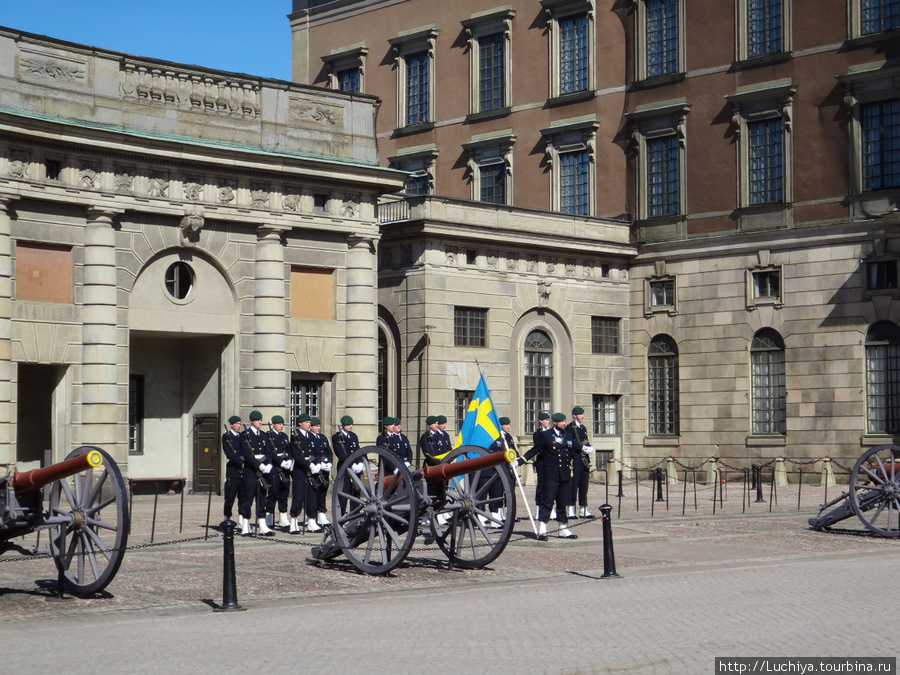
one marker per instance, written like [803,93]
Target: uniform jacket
[554,447]
[579,440]
[434,445]
[231,446]
[344,444]
[396,443]
[301,447]
[254,447]
[321,451]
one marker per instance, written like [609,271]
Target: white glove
[265,468]
[586,449]
[358,468]
[315,468]
[408,465]
[327,466]
[287,464]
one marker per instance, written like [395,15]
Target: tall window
[606,415]
[766,161]
[574,184]
[767,386]
[490,166]
[469,326]
[879,15]
[881,275]
[414,58]
[661,37]
[881,144]
[538,376]
[493,184]
[663,173]
[662,373]
[491,72]
[382,375]
[461,400]
[604,335]
[764,21]
[417,88]
[883,378]
[489,60]
[306,397]
[136,414]
[573,54]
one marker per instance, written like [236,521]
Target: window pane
[573,187]
[493,183]
[606,415]
[469,326]
[306,397]
[767,388]
[766,161]
[604,335]
[491,71]
[135,414]
[880,15]
[417,88]
[763,27]
[573,54]
[662,37]
[348,80]
[662,176]
[538,377]
[662,371]
[881,145]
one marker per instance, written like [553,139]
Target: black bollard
[757,471]
[229,584]
[609,558]
[659,494]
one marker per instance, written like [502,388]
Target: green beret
[346,420]
[578,410]
[303,418]
[233,419]
[504,420]
[313,421]
[558,417]
[544,416]
[431,419]
[387,421]
[441,419]
[396,420]
[277,419]
[255,415]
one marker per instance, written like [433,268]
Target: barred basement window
[461,400]
[306,397]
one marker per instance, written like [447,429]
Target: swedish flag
[480,426]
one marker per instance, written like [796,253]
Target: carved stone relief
[302,111]
[350,208]
[157,184]
[193,188]
[451,255]
[291,200]
[89,176]
[492,257]
[18,163]
[259,195]
[225,192]
[512,262]
[36,66]
[570,267]
[531,265]
[123,179]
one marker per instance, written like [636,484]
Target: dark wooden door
[206,454]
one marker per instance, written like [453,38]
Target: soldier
[344,443]
[404,448]
[302,455]
[543,425]
[555,444]
[432,442]
[393,440]
[442,428]
[284,463]
[581,464]
[320,473]
[258,464]
[234,468]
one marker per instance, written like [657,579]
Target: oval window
[179,280]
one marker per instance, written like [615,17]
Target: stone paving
[742,582]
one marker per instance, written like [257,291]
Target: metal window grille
[135,414]
[573,188]
[606,415]
[306,397]
[662,176]
[662,371]
[573,54]
[767,383]
[461,400]
[604,335]
[469,327]
[662,37]
[538,369]
[417,88]
[491,72]
[879,15]
[766,161]
[881,145]
[348,80]
[493,183]
[764,23]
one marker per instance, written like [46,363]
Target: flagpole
[514,468]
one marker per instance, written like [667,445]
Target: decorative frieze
[41,66]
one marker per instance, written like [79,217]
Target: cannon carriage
[873,494]
[87,517]
[466,505]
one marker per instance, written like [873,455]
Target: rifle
[234,452]
[281,474]
[315,479]
[260,476]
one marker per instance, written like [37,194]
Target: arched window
[382,375]
[767,389]
[883,378]
[662,374]
[538,376]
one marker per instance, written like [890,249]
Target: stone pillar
[781,478]
[671,471]
[827,474]
[269,326]
[360,382]
[6,444]
[712,471]
[99,341]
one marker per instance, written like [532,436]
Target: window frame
[470,316]
[342,60]
[490,149]
[855,24]
[482,25]
[869,289]
[768,390]
[884,419]
[601,328]
[650,307]
[136,391]
[532,406]
[665,402]
[408,44]
[642,66]
[557,11]
[601,421]
[742,35]
[754,300]
[419,161]
[302,386]
[567,137]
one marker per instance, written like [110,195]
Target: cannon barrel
[446,471]
[24,481]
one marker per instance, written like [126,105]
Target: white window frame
[346,58]
[650,308]
[571,135]
[562,9]
[742,33]
[754,301]
[419,160]
[479,25]
[641,60]
[867,83]
[659,120]
[490,148]
[406,44]
[854,23]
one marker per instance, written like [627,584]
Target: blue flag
[480,426]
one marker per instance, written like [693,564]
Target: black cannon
[87,517]
[466,504]
[873,494]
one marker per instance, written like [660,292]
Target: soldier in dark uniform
[581,464]
[555,444]
[284,463]
[344,443]
[234,467]
[320,470]
[442,429]
[258,465]
[435,445]
[504,441]
[301,451]
[543,424]
[392,439]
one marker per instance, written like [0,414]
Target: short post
[61,576]
[155,500]
[757,473]
[619,472]
[229,583]
[208,507]
[659,494]
[827,474]
[609,557]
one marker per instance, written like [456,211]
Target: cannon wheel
[377,525]
[91,509]
[477,543]
[875,490]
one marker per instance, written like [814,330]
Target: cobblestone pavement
[746,581]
